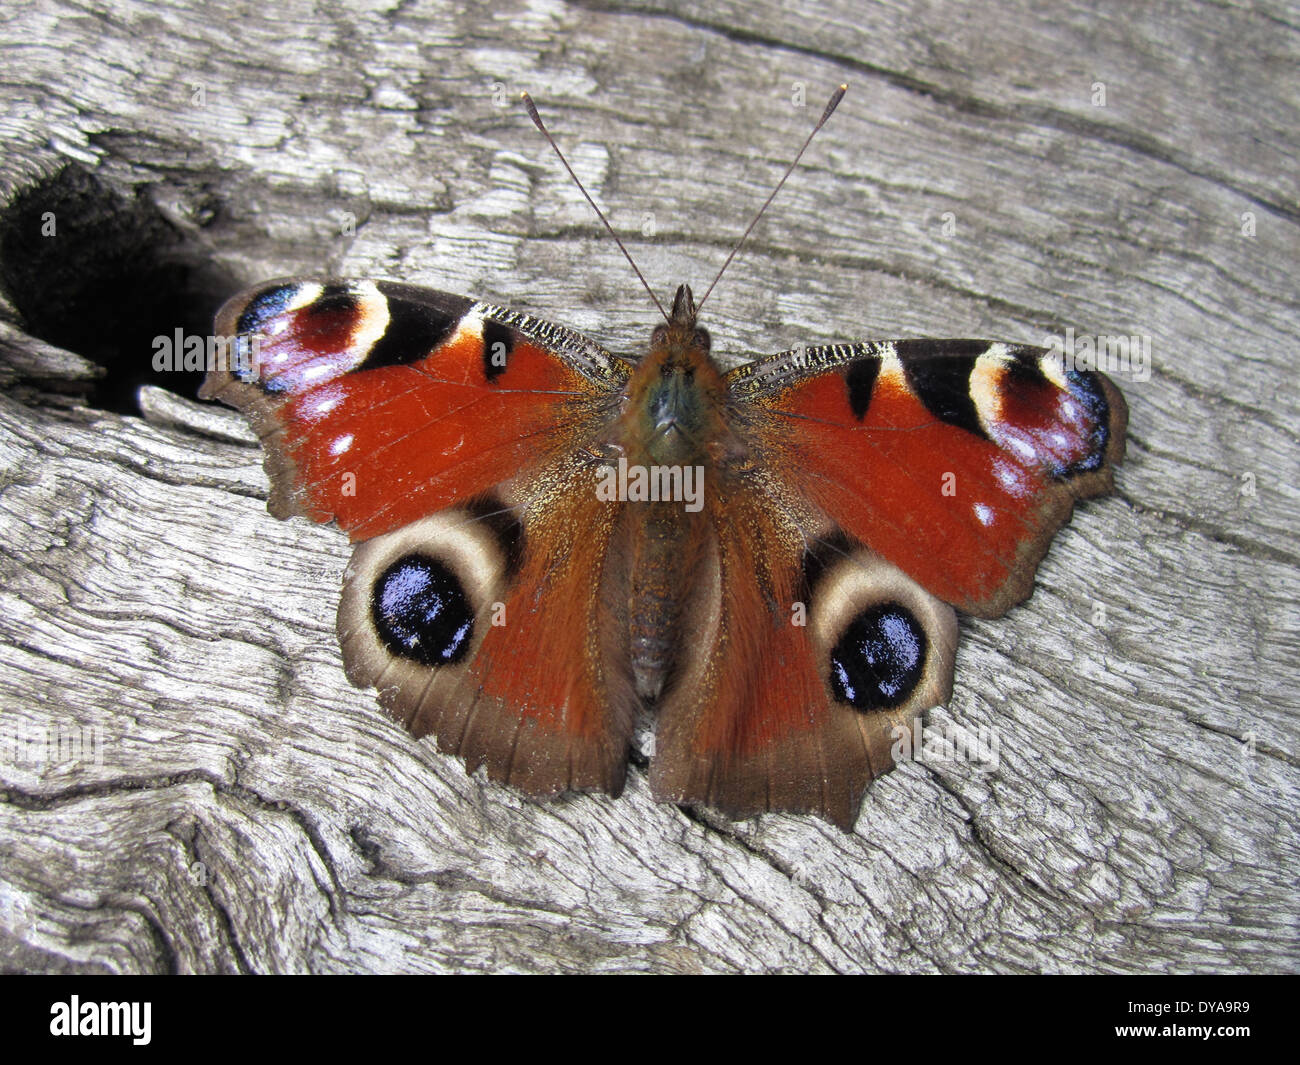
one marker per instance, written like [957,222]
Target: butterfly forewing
[957,460]
[381,403]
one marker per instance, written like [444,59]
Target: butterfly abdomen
[665,542]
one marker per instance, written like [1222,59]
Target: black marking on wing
[580,352]
[818,557]
[336,296]
[498,342]
[414,330]
[505,525]
[860,380]
[939,373]
[1025,367]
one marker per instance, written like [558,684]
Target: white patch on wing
[891,369]
[325,404]
[372,320]
[1020,446]
[1051,366]
[308,293]
[986,386]
[1011,477]
[470,326]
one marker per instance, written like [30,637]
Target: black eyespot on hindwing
[879,659]
[421,612]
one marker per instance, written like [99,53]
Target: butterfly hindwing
[803,667]
[485,626]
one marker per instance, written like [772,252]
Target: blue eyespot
[878,661]
[421,612]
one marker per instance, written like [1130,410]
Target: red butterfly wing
[776,706]
[450,436]
[381,403]
[878,482]
[956,460]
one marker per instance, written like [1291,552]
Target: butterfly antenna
[537,121]
[831,104]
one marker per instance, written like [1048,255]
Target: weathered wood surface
[188,781]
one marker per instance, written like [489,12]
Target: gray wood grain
[188,783]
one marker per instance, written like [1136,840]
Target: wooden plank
[188,781]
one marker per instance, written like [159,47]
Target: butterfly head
[676,394]
[680,331]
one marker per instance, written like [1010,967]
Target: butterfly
[552,540]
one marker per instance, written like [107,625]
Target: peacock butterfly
[552,538]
